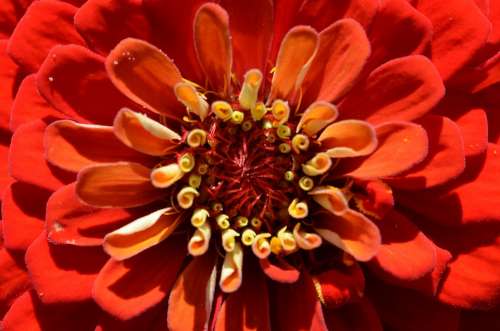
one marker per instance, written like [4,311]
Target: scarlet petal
[68,221]
[23,218]
[44,25]
[72,146]
[251,28]
[401,146]
[9,15]
[406,253]
[445,160]
[122,184]
[279,270]
[127,288]
[398,30]
[27,162]
[358,316]
[471,198]
[401,89]
[213,45]
[28,313]
[459,31]
[297,306]
[5,179]
[342,45]
[105,23]
[8,80]
[54,269]
[29,105]
[341,285]
[248,308]
[14,279]
[191,298]
[146,75]
[73,80]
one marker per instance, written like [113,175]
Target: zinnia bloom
[273,165]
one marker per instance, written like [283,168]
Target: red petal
[280,271]
[402,145]
[473,197]
[153,319]
[191,298]
[342,45]
[45,24]
[72,146]
[401,89]
[74,81]
[285,14]
[14,279]
[23,217]
[248,308]
[29,105]
[377,199]
[212,41]
[127,288]
[8,84]
[406,253]
[398,30]
[403,309]
[55,269]
[5,179]
[10,12]
[459,31]
[27,162]
[445,160]
[296,306]
[28,313]
[359,316]
[104,23]
[251,28]
[68,221]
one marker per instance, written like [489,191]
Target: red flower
[297,165]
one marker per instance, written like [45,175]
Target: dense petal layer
[358,316]
[279,270]
[127,288]
[44,25]
[400,89]
[73,80]
[10,13]
[5,179]
[212,42]
[122,184]
[352,232]
[73,146]
[14,279]
[23,212]
[342,53]
[445,160]
[69,221]
[27,162]
[8,83]
[340,285]
[146,75]
[401,146]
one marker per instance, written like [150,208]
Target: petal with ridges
[348,138]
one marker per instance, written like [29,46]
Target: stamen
[256,223]
[232,270]
[223,221]
[250,89]
[248,237]
[276,246]
[281,111]
[289,176]
[199,242]
[318,165]
[237,117]
[287,241]
[259,111]
[306,240]
[194,180]
[199,217]
[228,239]
[186,162]
[246,126]
[241,221]
[261,247]
[185,197]
[283,131]
[190,98]
[298,209]
[300,142]
[165,176]
[196,138]
[202,168]
[306,183]
[285,148]
[222,110]
[267,125]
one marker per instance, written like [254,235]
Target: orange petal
[232,270]
[294,59]
[316,117]
[141,234]
[166,176]
[348,138]
[330,198]
[73,146]
[306,240]
[401,146]
[351,232]
[213,45]
[121,184]
[144,134]
[146,75]
[200,241]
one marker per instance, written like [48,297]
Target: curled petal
[306,240]
[199,217]
[330,198]
[351,232]
[316,117]
[229,239]
[165,176]
[348,138]
[143,134]
[231,274]
[298,209]
[199,242]
[141,234]
[318,165]
[146,75]
[287,241]
[250,90]
[190,98]
[186,196]
[261,247]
